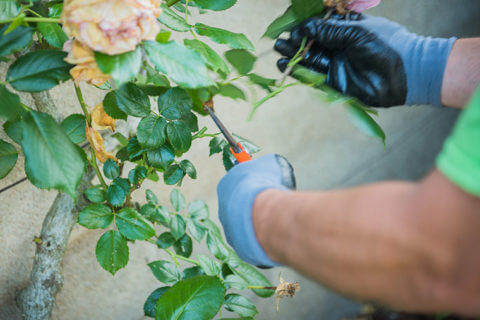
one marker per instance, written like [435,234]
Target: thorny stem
[262,287]
[302,51]
[94,164]
[82,103]
[32,19]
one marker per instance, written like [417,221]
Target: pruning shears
[236,148]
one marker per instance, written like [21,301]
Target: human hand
[236,194]
[371,58]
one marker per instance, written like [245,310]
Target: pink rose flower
[362,5]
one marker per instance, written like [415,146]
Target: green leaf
[122,183]
[155,213]
[95,216]
[264,83]
[191,121]
[116,195]
[8,158]
[10,106]
[232,91]
[221,36]
[14,40]
[122,67]
[183,246]
[184,66]
[52,33]
[165,240]
[161,157]
[177,226]
[151,131]
[188,168]
[120,138]
[165,271]
[179,135]
[251,275]
[174,103]
[13,129]
[196,298]
[242,60]
[240,305]
[111,107]
[285,22]
[151,197]
[132,225]
[192,272]
[134,149]
[112,251]
[173,20]
[308,76]
[163,36]
[151,302]
[216,145]
[173,175]
[132,101]
[198,209]
[96,194]
[9,9]
[177,200]
[211,58]
[156,78]
[196,229]
[209,266]
[213,228]
[364,122]
[51,159]
[216,5]
[217,247]
[235,282]
[111,169]
[38,71]
[305,9]
[137,175]
[74,127]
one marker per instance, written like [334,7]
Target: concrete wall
[326,151]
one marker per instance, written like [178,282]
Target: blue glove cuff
[250,251]
[425,62]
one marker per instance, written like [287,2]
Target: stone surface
[325,149]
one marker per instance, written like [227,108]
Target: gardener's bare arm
[462,73]
[412,246]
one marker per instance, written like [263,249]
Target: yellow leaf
[96,142]
[101,120]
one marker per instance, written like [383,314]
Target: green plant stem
[94,164]
[82,103]
[177,256]
[269,96]
[202,134]
[32,19]
[262,287]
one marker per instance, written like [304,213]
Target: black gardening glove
[371,58]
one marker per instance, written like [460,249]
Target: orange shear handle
[242,156]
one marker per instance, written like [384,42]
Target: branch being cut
[37,299]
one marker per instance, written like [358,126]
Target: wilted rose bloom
[111,26]
[86,68]
[100,119]
[362,5]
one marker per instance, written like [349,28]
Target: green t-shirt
[460,157]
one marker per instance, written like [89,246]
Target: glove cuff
[251,251]
[425,66]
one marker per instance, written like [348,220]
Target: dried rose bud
[111,26]
[285,289]
[362,5]
[86,68]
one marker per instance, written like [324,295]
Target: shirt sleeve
[459,160]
